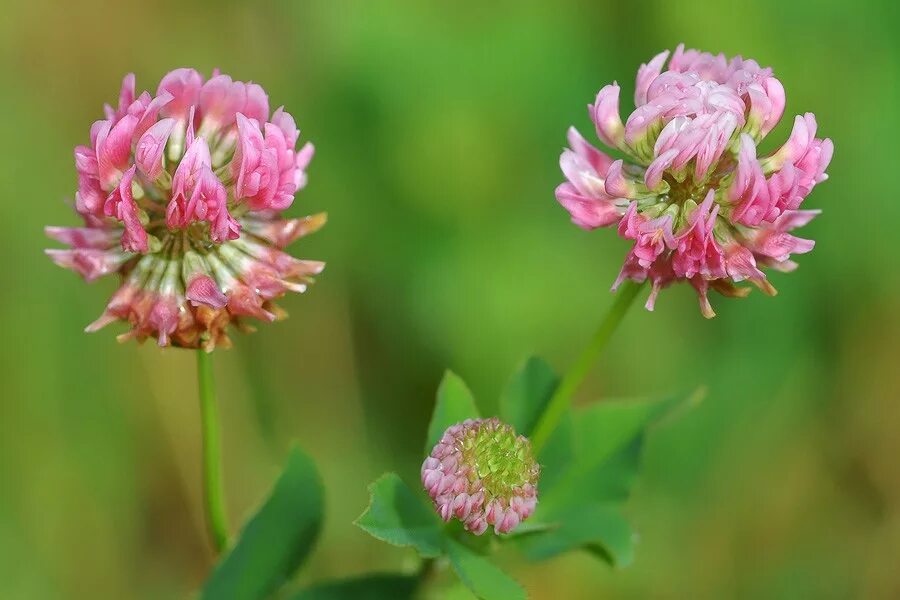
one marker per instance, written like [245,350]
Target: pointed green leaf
[374,586]
[276,540]
[481,576]
[599,529]
[527,394]
[612,480]
[396,516]
[607,440]
[558,455]
[593,462]
[605,427]
[454,404]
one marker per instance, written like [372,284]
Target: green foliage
[374,586]
[603,448]
[594,456]
[592,527]
[437,156]
[557,454]
[481,576]
[589,465]
[277,538]
[454,404]
[527,394]
[396,516]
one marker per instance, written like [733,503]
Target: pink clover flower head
[693,194]
[483,474]
[181,194]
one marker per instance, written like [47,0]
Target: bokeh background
[438,129]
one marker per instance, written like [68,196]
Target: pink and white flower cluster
[483,474]
[699,203]
[181,193]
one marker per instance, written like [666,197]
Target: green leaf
[276,540]
[590,465]
[527,394]
[374,586]
[558,455]
[612,480]
[454,404]
[603,428]
[599,529]
[481,576]
[606,443]
[396,516]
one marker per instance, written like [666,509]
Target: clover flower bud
[483,474]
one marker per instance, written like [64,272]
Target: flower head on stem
[698,203]
[181,194]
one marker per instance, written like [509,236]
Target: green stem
[213,493]
[562,398]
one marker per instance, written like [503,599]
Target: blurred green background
[438,129]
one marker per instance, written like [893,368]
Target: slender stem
[562,398]
[213,493]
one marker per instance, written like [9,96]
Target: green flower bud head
[482,473]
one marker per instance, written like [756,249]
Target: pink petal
[183,85]
[599,161]
[90,263]
[122,206]
[149,115]
[654,173]
[617,184]
[305,155]
[605,115]
[257,104]
[114,148]
[646,74]
[587,213]
[792,219]
[203,289]
[86,161]
[775,92]
[163,318]
[148,153]
[284,121]
[84,237]
[221,99]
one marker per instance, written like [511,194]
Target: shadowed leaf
[589,466]
[396,516]
[454,404]
[599,529]
[606,443]
[375,586]
[276,540]
[527,394]
[481,576]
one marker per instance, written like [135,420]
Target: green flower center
[502,460]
